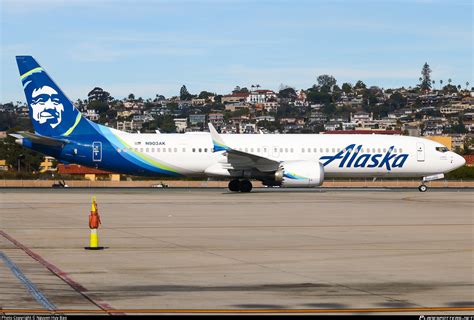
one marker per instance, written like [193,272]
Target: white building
[181,124]
[261,96]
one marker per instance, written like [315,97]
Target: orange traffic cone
[94,223]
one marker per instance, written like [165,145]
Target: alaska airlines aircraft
[286,160]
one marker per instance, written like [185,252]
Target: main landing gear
[423,188]
[240,185]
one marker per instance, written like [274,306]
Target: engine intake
[305,173]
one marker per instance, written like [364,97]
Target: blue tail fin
[51,112]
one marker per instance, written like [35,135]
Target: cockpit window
[442,149]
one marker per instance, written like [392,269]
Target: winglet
[219,144]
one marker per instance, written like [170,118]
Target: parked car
[60,184]
[160,185]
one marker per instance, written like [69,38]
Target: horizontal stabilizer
[39,139]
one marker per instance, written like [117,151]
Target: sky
[150,47]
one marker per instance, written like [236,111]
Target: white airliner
[286,160]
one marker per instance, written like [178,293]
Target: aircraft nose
[459,161]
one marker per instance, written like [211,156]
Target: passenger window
[309,150]
[246,149]
[141,149]
[157,149]
[251,150]
[302,150]
[200,149]
[146,150]
[327,149]
[169,149]
[258,150]
[286,150]
[281,150]
[205,149]
[194,149]
[184,149]
[291,150]
[378,150]
[321,150]
[175,149]
[384,150]
[315,150]
[264,150]
[400,150]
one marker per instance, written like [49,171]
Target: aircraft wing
[239,160]
[39,139]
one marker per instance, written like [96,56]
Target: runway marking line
[224,311]
[30,286]
[105,307]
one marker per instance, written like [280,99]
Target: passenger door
[420,151]
[96,151]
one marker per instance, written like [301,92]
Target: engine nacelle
[305,173]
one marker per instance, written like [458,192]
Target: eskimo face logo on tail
[351,157]
[46,106]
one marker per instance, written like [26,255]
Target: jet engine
[304,173]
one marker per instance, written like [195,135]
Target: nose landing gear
[240,185]
[422,188]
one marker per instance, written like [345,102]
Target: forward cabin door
[420,151]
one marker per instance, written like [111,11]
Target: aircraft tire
[422,188]
[234,185]
[245,186]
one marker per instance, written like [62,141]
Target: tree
[205,95]
[288,93]
[98,94]
[326,82]
[184,93]
[425,79]
[360,85]
[131,97]
[101,107]
[467,84]
[346,87]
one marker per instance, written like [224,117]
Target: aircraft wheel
[234,185]
[423,188]
[245,186]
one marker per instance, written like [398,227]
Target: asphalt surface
[272,250]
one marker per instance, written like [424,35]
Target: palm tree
[459,87]
[433,82]
[467,84]
[441,84]
[449,80]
